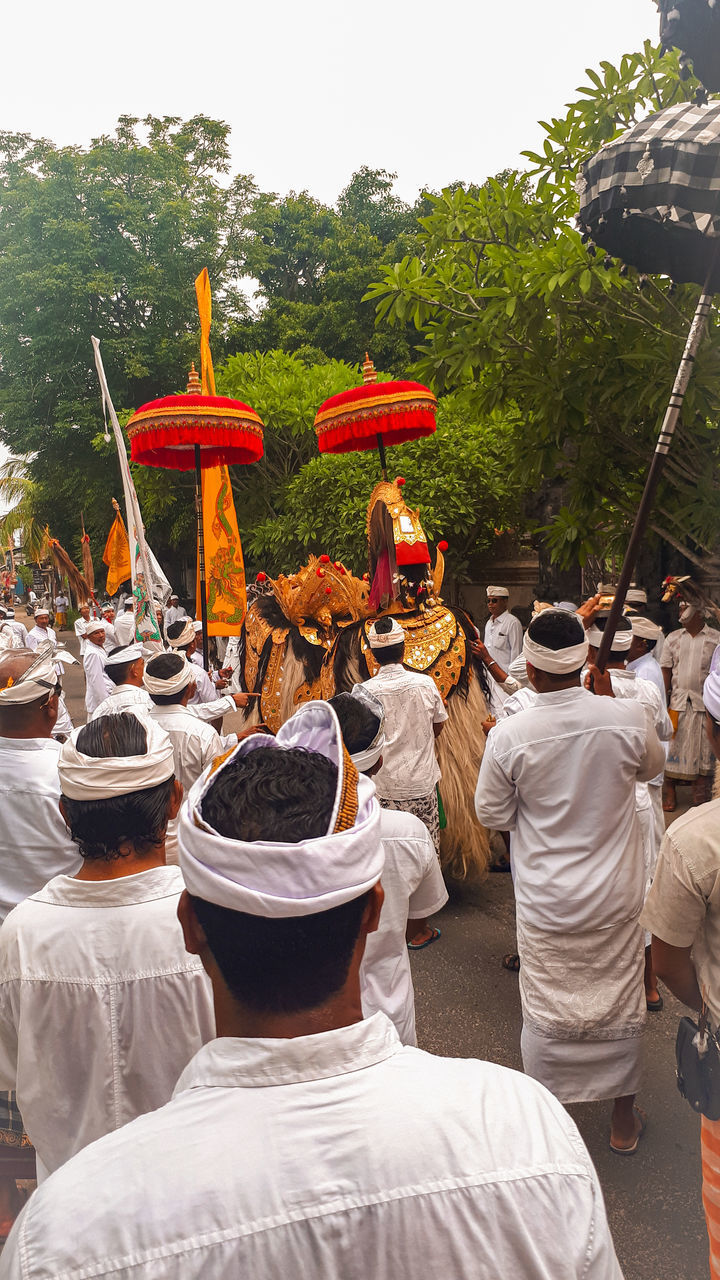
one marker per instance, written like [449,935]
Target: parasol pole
[662,448]
[201,557]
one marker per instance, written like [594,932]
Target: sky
[433,92]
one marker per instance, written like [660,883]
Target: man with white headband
[174,612]
[34,843]
[80,624]
[125,668]
[648,795]
[101,1007]
[307,1140]
[686,658]
[171,681]
[561,778]
[642,658]
[414,717]
[682,913]
[182,636]
[503,637]
[97,685]
[41,632]
[412,881]
[111,640]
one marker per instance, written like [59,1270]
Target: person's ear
[193,932]
[63,811]
[373,907]
[176,796]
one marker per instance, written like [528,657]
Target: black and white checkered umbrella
[693,27]
[652,196]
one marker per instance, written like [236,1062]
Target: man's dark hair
[138,819]
[555,629]
[394,652]
[118,672]
[175,629]
[162,667]
[293,963]
[623,624]
[358,722]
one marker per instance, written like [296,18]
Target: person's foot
[511,961]
[701,790]
[626,1131]
[669,798]
[423,939]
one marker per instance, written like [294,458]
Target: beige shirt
[689,659]
[683,906]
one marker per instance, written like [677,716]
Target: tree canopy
[520,314]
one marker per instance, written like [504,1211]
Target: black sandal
[511,962]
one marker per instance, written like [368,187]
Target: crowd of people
[207,1016]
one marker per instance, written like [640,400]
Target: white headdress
[556,662]
[621,640]
[365,759]
[39,678]
[128,653]
[186,635]
[265,878]
[101,777]
[493,592]
[645,628]
[171,684]
[636,595]
[383,640]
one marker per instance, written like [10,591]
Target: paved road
[468,1006]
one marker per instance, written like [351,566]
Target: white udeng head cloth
[280,880]
[101,777]
[38,679]
[129,653]
[645,628]
[171,684]
[621,640]
[383,640]
[636,595]
[557,662]
[186,635]
[493,593]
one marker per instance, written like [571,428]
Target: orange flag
[224,568]
[117,555]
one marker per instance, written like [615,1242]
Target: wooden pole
[201,558]
[662,448]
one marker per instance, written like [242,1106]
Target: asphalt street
[468,1006]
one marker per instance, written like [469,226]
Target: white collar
[234,1062]
[144,886]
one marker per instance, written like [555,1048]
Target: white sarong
[583,1003]
[689,754]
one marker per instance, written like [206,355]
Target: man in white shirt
[61,603]
[502,642]
[101,1007]
[18,628]
[174,612]
[125,668]
[414,717]
[686,657]
[358,1155]
[80,625]
[170,681]
[412,881]
[108,615]
[97,685]
[41,634]
[561,777]
[642,658]
[182,638]
[125,624]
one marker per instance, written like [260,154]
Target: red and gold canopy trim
[163,433]
[352,420]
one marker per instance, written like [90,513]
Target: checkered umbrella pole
[662,448]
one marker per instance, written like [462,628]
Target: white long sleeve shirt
[504,638]
[130,697]
[97,685]
[414,888]
[101,1006]
[34,842]
[561,776]
[195,744]
[343,1154]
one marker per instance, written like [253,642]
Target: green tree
[107,240]
[518,311]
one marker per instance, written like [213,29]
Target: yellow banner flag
[224,567]
[117,556]
[204,304]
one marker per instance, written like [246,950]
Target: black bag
[698,1065]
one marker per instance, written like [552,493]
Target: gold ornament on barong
[407,528]
[434,645]
[320,596]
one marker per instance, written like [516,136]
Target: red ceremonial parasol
[375,415]
[197,430]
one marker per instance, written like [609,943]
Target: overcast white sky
[312,90]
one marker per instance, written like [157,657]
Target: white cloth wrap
[382,640]
[128,653]
[364,760]
[636,595]
[172,684]
[493,593]
[711,694]
[94,624]
[262,878]
[101,777]
[40,677]
[557,662]
[186,635]
[644,627]
[621,640]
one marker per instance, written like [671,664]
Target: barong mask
[279,880]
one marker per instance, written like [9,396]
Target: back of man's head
[388,653]
[277,965]
[358,723]
[623,630]
[118,672]
[176,628]
[163,667]
[555,629]
[107,829]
